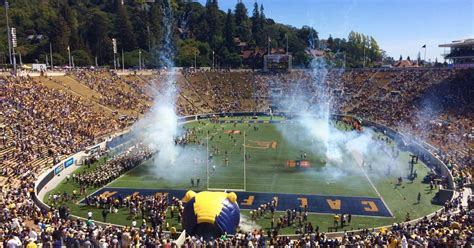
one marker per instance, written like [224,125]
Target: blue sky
[400,26]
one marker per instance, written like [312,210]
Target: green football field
[270,146]
[266,171]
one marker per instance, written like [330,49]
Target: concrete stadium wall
[420,149]
[50,179]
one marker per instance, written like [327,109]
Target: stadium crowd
[25,225]
[112,90]
[40,123]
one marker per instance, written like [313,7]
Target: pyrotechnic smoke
[164,127]
[247,225]
[310,99]
[160,127]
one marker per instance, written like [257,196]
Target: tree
[58,59]
[188,49]
[97,37]
[87,26]
[70,17]
[242,24]
[375,55]
[386,60]
[139,23]
[256,26]
[330,43]
[60,34]
[81,58]
[124,30]
[310,36]
[401,58]
[408,58]
[154,29]
[203,31]
[213,21]
[229,31]
[362,50]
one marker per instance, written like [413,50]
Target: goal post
[245,165]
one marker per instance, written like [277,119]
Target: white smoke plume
[344,152]
[247,225]
[160,126]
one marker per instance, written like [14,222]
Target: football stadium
[170,123]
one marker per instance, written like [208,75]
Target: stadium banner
[64,165]
[58,169]
[68,162]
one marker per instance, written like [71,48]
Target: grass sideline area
[266,172]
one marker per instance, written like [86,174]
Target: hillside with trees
[87,28]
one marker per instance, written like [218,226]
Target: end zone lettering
[325,204]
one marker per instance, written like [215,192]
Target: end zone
[321,204]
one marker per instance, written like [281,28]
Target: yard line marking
[358,158]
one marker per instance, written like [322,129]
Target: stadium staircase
[72,86]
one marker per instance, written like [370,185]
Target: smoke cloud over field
[344,152]
[160,126]
[247,225]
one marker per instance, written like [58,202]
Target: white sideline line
[359,163]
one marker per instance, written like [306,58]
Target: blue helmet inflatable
[210,214]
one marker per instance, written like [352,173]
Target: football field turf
[266,171]
[325,189]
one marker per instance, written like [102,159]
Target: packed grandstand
[46,118]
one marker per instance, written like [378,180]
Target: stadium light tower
[207,160]
[51,55]
[69,55]
[8,32]
[140,59]
[14,45]
[363,62]
[114,46]
[213,66]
